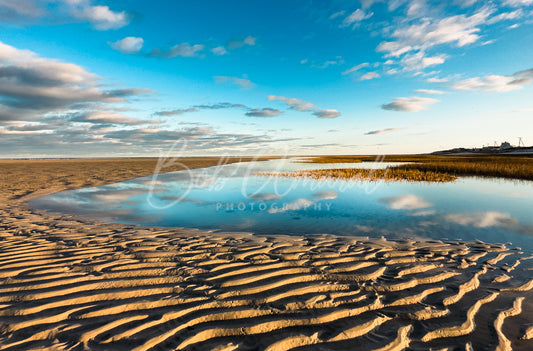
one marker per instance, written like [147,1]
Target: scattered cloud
[518,3]
[428,91]
[28,11]
[506,16]
[128,45]
[102,17]
[302,105]
[242,82]
[176,112]
[405,202]
[31,86]
[337,14]
[337,61]
[293,103]
[419,61]
[250,112]
[369,76]
[356,68]
[482,220]
[235,44]
[382,131]
[496,83]
[436,80]
[356,17]
[105,117]
[183,50]
[409,104]
[328,113]
[263,112]
[460,30]
[219,50]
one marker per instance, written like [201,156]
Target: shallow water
[233,198]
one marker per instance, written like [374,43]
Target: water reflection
[231,198]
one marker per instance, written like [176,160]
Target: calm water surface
[233,198]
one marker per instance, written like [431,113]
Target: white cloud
[128,45]
[102,17]
[482,220]
[405,202]
[436,80]
[428,91]
[460,30]
[518,3]
[183,50]
[506,16]
[369,76]
[242,82]
[328,113]
[355,17]
[219,51]
[409,104]
[302,105]
[235,44]
[337,14]
[31,86]
[296,104]
[495,82]
[419,61]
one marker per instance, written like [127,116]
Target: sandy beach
[69,283]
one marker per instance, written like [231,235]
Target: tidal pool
[233,198]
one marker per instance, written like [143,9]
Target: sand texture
[68,283]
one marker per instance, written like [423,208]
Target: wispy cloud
[242,82]
[356,68]
[355,17]
[302,105]
[428,91]
[250,111]
[409,104]
[183,50]
[382,131]
[496,83]
[236,43]
[369,76]
[263,112]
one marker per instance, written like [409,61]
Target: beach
[70,283]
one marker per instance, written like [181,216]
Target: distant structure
[520,142]
[505,146]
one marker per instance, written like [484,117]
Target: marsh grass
[390,174]
[429,167]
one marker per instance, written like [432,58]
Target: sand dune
[73,284]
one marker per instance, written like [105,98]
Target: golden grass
[426,167]
[389,175]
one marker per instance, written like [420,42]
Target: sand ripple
[68,284]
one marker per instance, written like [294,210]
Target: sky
[98,78]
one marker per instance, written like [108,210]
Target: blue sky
[130,78]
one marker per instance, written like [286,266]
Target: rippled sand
[68,283]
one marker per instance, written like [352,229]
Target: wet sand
[71,283]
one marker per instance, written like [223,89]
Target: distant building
[505,145]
